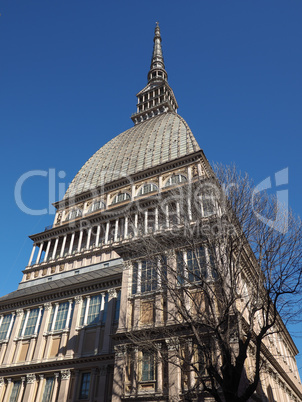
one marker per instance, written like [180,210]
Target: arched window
[175,179]
[73,214]
[147,188]
[96,205]
[120,198]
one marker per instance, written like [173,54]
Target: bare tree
[218,264]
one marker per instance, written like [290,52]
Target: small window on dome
[120,198]
[160,73]
[73,214]
[175,179]
[147,188]
[96,205]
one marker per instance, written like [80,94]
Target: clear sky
[70,70]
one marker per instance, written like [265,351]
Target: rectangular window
[31,322]
[148,373]
[5,326]
[94,310]
[84,388]
[61,316]
[48,388]
[15,391]
[196,264]
[148,276]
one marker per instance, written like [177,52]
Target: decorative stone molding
[41,377]
[1,381]
[172,343]
[120,351]
[47,306]
[103,369]
[19,312]
[78,299]
[65,374]
[30,378]
[112,293]
[127,265]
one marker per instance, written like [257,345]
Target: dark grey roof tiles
[63,282]
[148,144]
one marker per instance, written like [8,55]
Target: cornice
[75,363]
[50,295]
[187,159]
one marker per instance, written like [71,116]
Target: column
[156,218]
[38,320]
[117,388]
[189,208]
[126,227]
[22,389]
[80,241]
[29,393]
[39,253]
[55,388]
[112,296]
[63,246]
[73,333]
[64,386]
[54,252]
[135,224]
[167,215]
[32,255]
[71,243]
[88,238]
[86,310]
[54,317]
[75,385]
[47,251]
[178,212]
[101,396]
[146,221]
[122,322]
[40,388]
[107,233]
[25,322]
[159,361]
[2,388]
[39,344]
[116,231]
[9,387]
[98,231]
[11,334]
[173,369]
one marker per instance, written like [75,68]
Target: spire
[157,97]
[157,61]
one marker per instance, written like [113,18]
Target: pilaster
[64,386]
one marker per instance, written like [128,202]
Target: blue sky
[70,70]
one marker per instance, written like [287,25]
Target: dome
[153,142]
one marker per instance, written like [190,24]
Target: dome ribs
[151,143]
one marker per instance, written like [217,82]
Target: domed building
[89,296]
